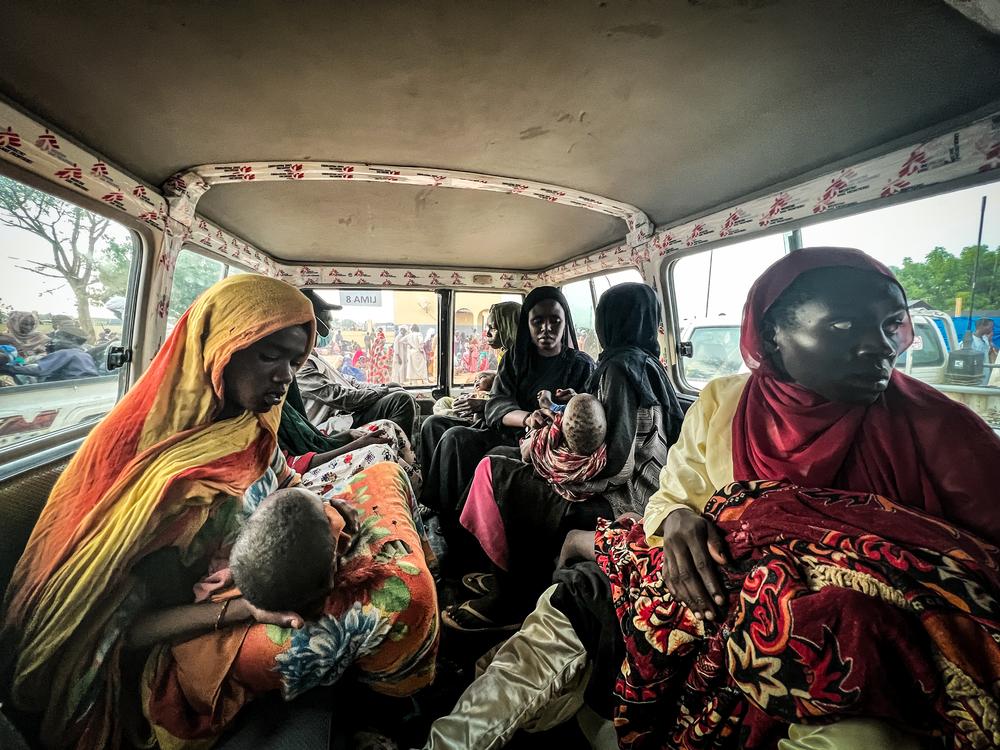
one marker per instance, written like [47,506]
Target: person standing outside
[336,402]
[982,341]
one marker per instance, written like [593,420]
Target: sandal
[465,618]
[480,584]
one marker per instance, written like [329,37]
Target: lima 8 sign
[369,298]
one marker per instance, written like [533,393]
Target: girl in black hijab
[545,357]
[523,537]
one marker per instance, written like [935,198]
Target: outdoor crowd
[798,562]
[411,358]
[27,355]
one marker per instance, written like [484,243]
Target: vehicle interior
[440,158]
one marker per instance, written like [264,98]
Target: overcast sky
[890,234]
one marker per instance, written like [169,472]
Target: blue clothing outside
[982,344]
[65,364]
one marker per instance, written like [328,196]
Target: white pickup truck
[30,411]
[715,351]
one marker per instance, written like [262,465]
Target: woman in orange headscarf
[152,495]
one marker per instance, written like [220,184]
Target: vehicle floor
[457,666]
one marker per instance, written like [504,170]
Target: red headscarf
[913,445]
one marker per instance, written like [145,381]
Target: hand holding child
[352,519]
[264,617]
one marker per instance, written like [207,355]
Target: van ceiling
[672,106]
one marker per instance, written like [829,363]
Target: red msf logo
[9,138]
[18,424]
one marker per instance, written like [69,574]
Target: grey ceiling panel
[671,106]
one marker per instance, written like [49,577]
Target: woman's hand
[538,419]
[692,548]
[371,438]
[281,619]
[476,406]
[563,395]
[218,581]
[352,520]
[578,545]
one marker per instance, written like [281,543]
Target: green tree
[73,233]
[193,274]
[114,265]
[942,277]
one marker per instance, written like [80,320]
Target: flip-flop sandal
[480,584]
[466,619]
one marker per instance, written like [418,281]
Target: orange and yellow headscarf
[146,478]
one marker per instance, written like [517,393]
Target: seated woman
[860,615]
[323,460]
[356,368]
[23,332]
[545,357]
[501,330]
[371,615]
[156,492]
[520,517]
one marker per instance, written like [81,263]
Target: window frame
[671,322]
[199,250]
[24,456]
[594,296]
[665,273]
[440,294]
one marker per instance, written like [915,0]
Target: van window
[63,304]
[383,335]
[193,274]
[471,355]
[716,353]
[929,243]
[709,289]
[583,297]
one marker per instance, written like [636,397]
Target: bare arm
[189,620]
[368,439]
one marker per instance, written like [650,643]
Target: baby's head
[285,555]
[484,381]
[584,424]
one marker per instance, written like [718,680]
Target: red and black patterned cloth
[841,604]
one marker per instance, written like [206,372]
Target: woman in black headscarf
[520,520]
[545,357]
[500,333]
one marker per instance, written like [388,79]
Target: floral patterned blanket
[380,622]
[840,605]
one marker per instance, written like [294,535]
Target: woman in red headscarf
[841,589]
[379,359]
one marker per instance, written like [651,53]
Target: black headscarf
[627,323]
[524,346]
[524,371]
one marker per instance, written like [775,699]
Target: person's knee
[401,408]
[400,402]
[849,734]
